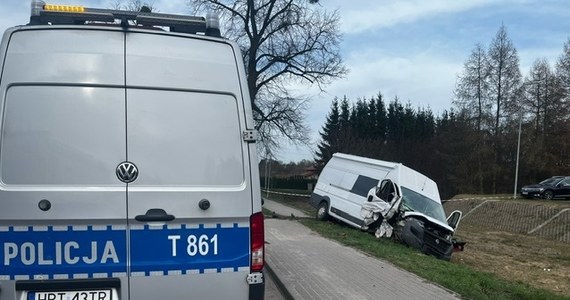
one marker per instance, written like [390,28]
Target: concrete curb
[280,286]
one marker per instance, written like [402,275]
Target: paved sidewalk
[312,267]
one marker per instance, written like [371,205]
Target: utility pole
[518,155]
[267,171]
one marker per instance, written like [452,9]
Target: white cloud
[425,79]
[362,15]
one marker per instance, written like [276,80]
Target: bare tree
[504,84]
[547,148]
[283,42]
[505,75]
[540,87]
[472,99]
[563,68]
[472,89]
[563,122]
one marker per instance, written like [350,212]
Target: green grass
[461,279]
[301,204]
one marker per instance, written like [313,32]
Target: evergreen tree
[394,121]
[344,115]
[329,137]
[381,119]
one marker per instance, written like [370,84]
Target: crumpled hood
[432,220]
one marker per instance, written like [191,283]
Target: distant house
[311,173]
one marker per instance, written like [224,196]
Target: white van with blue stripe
[128,166]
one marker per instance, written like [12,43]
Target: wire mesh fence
[545,220]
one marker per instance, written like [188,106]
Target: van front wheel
[322,211]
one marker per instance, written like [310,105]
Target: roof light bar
[42,13]
[64,8]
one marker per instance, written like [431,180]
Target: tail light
[256,228]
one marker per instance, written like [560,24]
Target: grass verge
[294,202]
[459,278]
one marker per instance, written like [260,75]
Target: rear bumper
[257,291]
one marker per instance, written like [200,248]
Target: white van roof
[366,160]
[407,177]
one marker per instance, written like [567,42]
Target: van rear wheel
[322,211]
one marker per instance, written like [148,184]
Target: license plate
[524,193]
[71,295]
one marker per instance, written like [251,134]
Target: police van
[128,166]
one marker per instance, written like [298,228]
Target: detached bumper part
[256,286]
[384,230]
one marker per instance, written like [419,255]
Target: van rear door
[190,205]
[62,210]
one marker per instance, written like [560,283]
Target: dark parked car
[554,187]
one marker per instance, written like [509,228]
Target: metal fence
[545,220]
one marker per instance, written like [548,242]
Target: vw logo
[437,241]
[127,172]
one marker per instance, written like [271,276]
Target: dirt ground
[539,262]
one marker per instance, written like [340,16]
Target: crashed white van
[128,168]
[387,198]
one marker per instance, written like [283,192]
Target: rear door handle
[155,215]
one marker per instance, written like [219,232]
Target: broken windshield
[416,202]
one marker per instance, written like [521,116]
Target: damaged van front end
[417,231]
[410,217]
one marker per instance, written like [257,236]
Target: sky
[412,49]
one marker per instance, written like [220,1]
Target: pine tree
[329,137]
[381,119]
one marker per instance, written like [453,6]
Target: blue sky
[413,49]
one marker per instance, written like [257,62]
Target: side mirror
[454,218]
[370,198]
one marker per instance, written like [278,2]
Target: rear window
[184,138]
[58,135]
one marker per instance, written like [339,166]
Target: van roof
[408,177]
[366,160]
